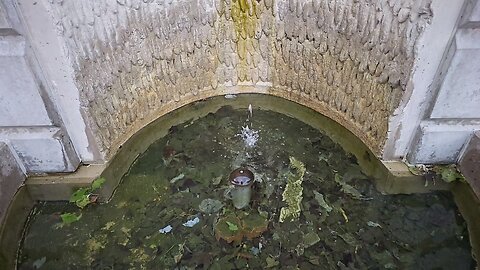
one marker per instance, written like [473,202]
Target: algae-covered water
[171,210]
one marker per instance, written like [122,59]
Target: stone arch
[136,60]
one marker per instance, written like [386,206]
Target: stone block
[459,94]
[11,43]
[469,162]
[41,149]
[11,177]
[20,100]
[439,143]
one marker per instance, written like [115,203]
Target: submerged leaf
[310,239]
[321,201]
[210,206]
[39,263]
[217,180]
[374,224]
[271,262]
[178,256]
[350,190]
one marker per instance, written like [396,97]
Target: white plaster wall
[450,113]
[50,51]
[29,122]
[459,96]
[431,52]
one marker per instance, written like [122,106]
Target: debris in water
[176,178]
[230,96]
[257,250]
[250,110]
[343,214]
[166,229]
[192,222]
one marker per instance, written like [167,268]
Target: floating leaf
[225,229]
[84,201]
[79,194]
[69,218]
[232,227]
[97,183]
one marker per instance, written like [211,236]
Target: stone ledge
[400,180]
[59,187]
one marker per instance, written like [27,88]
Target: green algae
[293,193]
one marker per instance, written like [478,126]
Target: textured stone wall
[349,59]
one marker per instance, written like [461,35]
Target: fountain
[295,199]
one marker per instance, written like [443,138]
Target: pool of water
[173,209]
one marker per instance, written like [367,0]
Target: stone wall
[349,59]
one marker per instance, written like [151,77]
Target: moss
[245,23]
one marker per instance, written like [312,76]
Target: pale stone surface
[441,141]
[433,55]
[459,95]
[130,58]
[454,113]
[11,43]
[3,17]
[42,149]
[20,101]
[58,80]
[11,177]
[475,16]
